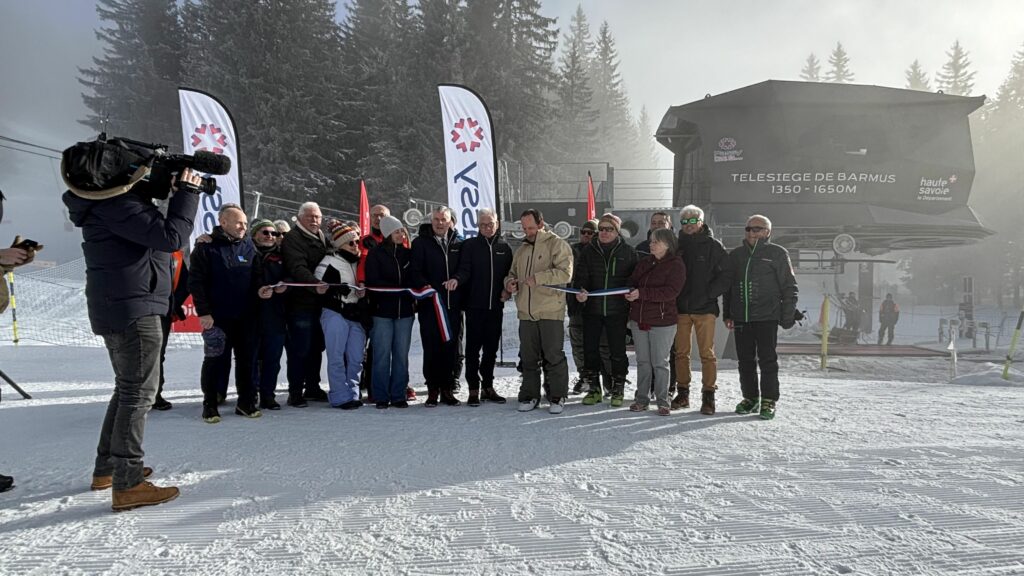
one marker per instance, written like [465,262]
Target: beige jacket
[549,259]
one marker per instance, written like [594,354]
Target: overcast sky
[672,52]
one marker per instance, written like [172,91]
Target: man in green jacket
[761,297]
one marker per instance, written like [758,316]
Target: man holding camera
[128,244]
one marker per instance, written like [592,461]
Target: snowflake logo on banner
[467,135]
[952,179]
[210,138]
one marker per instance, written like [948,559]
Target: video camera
[107,167]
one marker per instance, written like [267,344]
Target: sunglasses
[587,232]
[270,233]
[689,220]
[353,243]
[606,229]
[755,228]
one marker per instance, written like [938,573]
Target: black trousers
[755,347]
[439,358]
[614,327]
[881,332]
[216,370]
[483,331]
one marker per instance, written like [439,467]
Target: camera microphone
[202,161]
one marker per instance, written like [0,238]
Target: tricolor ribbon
[604,292]
[417,293]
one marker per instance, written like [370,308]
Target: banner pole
[1006,367]
[14,307]
[824,333]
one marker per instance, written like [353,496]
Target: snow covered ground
[882,468]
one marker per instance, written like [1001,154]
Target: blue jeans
[266,365]
[135,357]
[345,341]
[390,338]
[304,345]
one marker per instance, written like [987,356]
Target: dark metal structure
[892,168]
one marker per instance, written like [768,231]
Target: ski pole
[1006,367]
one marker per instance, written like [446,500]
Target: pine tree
[647,144]
[577,119]
[284,93]
[811,71]
[615,128]
[533,38]
[839,72]
[132,88]
[1009,100]
[916,78]
[955,77]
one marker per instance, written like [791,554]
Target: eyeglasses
[606,229]
[755,228]
[587,232]
[270,233]
[689,220]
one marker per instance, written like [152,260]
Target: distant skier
[888,316]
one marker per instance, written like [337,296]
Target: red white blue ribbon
[604,292]
[417,293]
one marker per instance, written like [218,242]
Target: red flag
[591,205]
[364,210]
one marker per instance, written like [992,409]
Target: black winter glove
[787,323]
[344,290]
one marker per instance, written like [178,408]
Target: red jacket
[659,282]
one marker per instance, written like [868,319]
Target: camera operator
[128,244]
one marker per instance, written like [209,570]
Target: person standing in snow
[543,259]
[888,316]
[344,316]
[128,244]
[485,261]
[271,328]
[761,296]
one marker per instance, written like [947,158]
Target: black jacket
[483,266]
[269,270]
[127,244]
[301,254]
[600,267]
[433,263]
[221,277]
[388,266]
[704,257]
[336,296]
[761,285]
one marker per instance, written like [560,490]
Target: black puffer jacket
[434,263]
[388,266]
[127,244]
[269,270]
[704,257]
[483,266]
[221,277]
[761,285]
[601,267]
[302,253]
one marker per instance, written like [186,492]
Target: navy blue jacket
[433,265]
[127,244]
[388,265]
[483,266]
[269,270]
[221,277]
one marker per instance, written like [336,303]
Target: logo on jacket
[209,137]
[467,135]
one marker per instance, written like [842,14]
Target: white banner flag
[469,155]
[206,125]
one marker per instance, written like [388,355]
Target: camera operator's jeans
[135,356]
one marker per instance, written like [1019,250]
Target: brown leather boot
[707,402]
[145,494]
[104,482]
[682,399]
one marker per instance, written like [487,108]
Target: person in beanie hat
[391,335]
[343,316]
[606,263]
[271,322]
[575,310]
